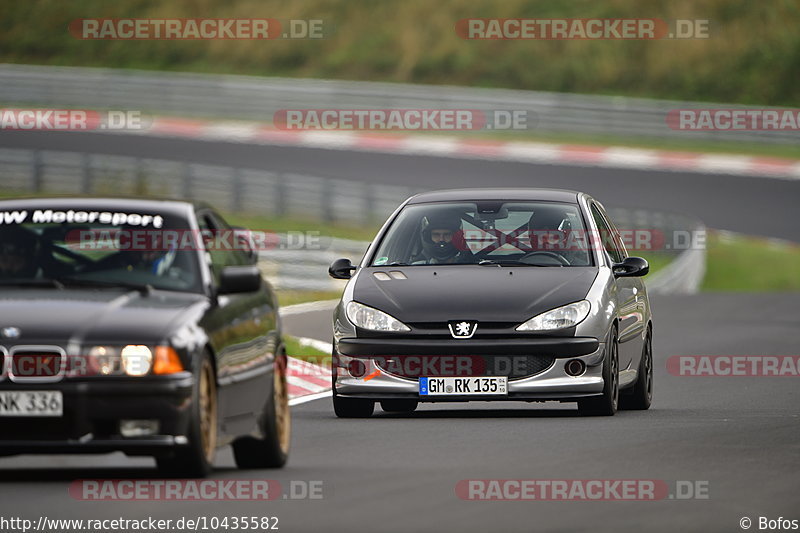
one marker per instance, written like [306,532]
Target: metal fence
[254,98]
[273,194]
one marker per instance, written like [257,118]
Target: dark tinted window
[536,233]
[607,236]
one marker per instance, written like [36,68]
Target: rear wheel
[642,395]
[272,451]
[196,460]
[399,406]
[606,404]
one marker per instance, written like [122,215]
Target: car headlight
[558,318]
[370,318]
[131,360]
[104,360]
[136,359]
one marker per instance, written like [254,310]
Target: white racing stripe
[537,152]
[310,397]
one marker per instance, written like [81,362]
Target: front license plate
[475,386]
[31,403]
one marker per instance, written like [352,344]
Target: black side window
[218,244]
[607,236]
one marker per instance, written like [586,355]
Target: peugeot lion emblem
[462,329]
[10,332]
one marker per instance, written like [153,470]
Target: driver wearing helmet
[438,246]
[18,250]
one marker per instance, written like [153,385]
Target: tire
[606,404]
[272,451]
[642,395]
[399,406]
[197,459]
[352,407]
[348,407]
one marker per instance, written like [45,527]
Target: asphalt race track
[737,436]
[755,206]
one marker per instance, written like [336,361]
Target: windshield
[546,234]
[95,248]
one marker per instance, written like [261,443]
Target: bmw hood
[483,293]
[95,316]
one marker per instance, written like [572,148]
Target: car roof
[167,207]
[515,194]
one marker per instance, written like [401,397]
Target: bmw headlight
[136,359]
[558,318]
[131,360]
[370,318]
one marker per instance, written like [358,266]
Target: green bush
[752,55]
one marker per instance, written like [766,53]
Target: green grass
[306,353]
[292,297]
[741,263]
[750,56]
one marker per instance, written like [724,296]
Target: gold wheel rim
[283,420]
[208,412]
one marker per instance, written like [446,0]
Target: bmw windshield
[51,247]
[545,234]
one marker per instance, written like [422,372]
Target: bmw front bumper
[93,410]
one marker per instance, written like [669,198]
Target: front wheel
[352,407]
[272,451]
[606,404]
[642,395]
[399,406]
[197,459]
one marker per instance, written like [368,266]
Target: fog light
[357,368]
[575,367]
[138,428]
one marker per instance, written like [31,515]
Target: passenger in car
[18,249]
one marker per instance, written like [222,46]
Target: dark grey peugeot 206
[139,326]
[494,294]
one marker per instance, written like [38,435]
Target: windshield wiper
[35,282]
[492,262]
[142,288]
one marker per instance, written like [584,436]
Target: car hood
[91,316]
[471,292]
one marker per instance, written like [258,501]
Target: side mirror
[235,279]
[341,269]
[631,267]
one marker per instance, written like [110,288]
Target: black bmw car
[139,326]
[494,295]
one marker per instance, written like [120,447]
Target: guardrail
[254,98]
[274,194]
